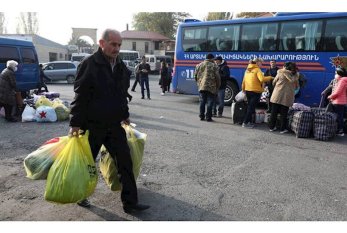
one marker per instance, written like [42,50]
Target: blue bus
[24,52]
[317,42]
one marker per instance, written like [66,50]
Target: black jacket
[100,94]
[271,72]
[224,74]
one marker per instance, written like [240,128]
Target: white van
[155,60]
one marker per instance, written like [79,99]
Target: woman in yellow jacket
[252,85]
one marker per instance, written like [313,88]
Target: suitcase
[302,123]
[238,112]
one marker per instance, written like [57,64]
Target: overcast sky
[57,18]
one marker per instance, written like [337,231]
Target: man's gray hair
[106,33]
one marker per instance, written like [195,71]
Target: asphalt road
[192,170]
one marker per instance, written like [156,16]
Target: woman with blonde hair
[252,85]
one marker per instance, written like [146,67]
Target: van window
[28,56]
[60,66]
[8,53]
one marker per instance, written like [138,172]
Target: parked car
[60,70]
[131,66]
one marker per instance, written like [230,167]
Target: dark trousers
[252,99]
[135,84]
[339,109]
[42,84]
[8,110]
[281,109]
[144,81]
[113,137]
[206,98]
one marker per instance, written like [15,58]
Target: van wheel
[70,79]
[231,91]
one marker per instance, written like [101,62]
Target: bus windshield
[317,42]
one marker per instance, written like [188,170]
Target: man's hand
[126,121]
[74,132]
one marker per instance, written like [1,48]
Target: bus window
[300,35]
[336,35]
[195,39]
[223,38]
[268,37]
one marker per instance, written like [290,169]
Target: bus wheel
[231,91]
[70,79]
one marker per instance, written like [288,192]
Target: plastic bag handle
[130,130]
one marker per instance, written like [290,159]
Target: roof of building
[143,35]
[35,39]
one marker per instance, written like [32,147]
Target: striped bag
[302,123]
[324,124]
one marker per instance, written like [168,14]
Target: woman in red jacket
[339,97]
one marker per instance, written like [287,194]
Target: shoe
[273,129]
[129,208]
[202,118]
[341,134]
[142,97]
[209,120]
[248,125]
[133,90]
[149,98]
[284,131]
[220,115]
[12,120]
[84,203]
[162,93]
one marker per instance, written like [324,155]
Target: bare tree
[250,14]
[218,16]
[2,23]
[28,23]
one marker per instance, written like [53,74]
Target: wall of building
[43,53]
[140,46]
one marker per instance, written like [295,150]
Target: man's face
[218,62]
[143,60]
[272,64]
[111,47]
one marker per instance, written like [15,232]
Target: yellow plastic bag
[43,101]
[73,175]
[38,163]
[107,165]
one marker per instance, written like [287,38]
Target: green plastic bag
[107,165]
[73,175]
[38,162]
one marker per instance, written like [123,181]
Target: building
[147,42]
[47,50]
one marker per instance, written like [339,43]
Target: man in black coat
[272,71]
[224,73]
[100,106]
